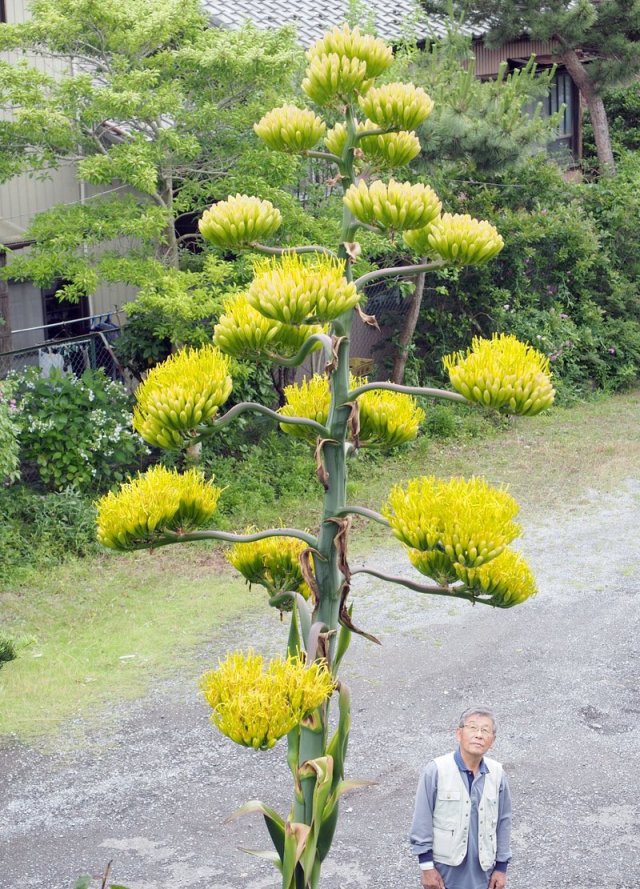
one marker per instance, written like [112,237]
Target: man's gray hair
[477,711]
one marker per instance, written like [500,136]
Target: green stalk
[328,576]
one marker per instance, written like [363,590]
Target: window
[61,317]
[3,11]
[562,93]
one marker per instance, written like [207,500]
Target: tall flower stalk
[303,299]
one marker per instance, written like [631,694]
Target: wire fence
[74,355]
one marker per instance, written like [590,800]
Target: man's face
[477,735]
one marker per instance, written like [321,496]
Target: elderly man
[462,820]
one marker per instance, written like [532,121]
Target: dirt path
[561,672]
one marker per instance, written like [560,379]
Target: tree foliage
[153,106]
[597,40]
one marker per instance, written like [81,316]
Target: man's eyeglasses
[479,730]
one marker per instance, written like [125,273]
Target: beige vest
[452,813]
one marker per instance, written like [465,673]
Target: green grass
[102,629]
[97,631]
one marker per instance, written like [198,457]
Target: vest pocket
[446,815]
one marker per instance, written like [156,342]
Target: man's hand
[498,880]
[431,879]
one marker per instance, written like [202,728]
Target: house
[33,316]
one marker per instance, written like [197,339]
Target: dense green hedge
[566,281]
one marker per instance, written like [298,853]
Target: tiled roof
[313,17]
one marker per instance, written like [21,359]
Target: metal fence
[74,355]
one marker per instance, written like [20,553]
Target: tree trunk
[168,252]
[408,330]
[599,122]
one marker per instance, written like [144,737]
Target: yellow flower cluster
[467,521]
[393,205]
[343,63]
[310,399]
[508,579]
[388,418]
[464,240]
[295,290]
[245,333]
[159,500]
[256,704]
[181,393]
[274,563]
[291,129]
[390,149]
[503,373]
[239,221]
[344,41]
[396,106]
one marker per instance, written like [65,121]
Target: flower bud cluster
[396,106]
[181,393]
[333,78]
[344,41]
[274,563]
[255,703]
[394,205]
[460,239]
[502,373]
[239,221]
[336,137]
[296,290]
[291,129]
[245,333]
[391,149]
[465,521]
[157,501]
[343,63]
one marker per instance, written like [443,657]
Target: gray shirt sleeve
[421,836]
[503,830]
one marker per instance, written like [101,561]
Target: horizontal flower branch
[257,408]
[170,537]
[400,271]
[425,391]
[450,592]
[363,511]
[304,350]
[281,251]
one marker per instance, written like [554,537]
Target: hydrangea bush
[75,430]
[9,449]
[457,533]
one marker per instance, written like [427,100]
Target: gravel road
[153,786]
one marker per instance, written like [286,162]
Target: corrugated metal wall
[488,60]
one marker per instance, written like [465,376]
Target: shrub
[274,470]
[566,281]
[9,469]
[75,430]
[7,649]
[41,530]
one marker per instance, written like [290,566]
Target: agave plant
[303,299]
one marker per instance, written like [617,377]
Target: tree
[300,299]
[153,106]
[598,41]
[476,129]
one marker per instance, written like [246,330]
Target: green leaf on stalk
[275,823]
